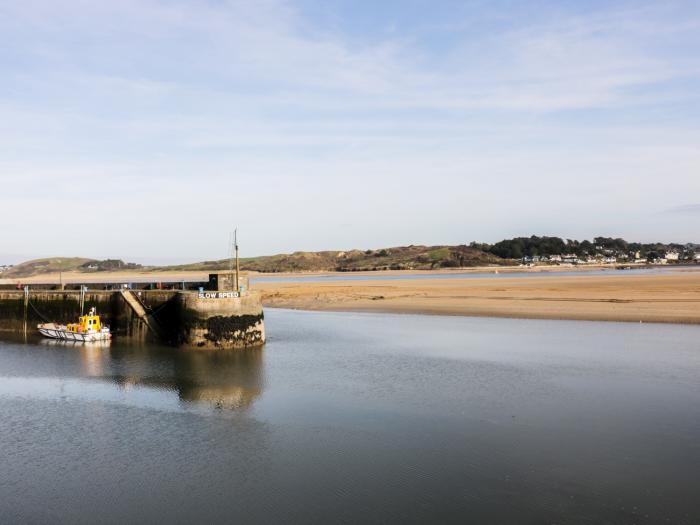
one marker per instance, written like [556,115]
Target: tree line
[533,246]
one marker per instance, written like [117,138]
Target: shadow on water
[221,379]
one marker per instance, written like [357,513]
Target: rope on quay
[38,313]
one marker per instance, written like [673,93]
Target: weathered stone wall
[236,322]
[183,317]
[46,306]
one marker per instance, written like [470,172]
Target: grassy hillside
[398,258]
[50,265]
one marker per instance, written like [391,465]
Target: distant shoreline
[198,275]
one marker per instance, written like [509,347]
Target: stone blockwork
[44,306]
[234,322]
[184,318]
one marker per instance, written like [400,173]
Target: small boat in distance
[88,328]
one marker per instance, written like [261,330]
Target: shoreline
[74,277]
[431,313]
[490,315]
[664,294]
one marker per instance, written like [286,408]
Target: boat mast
[230,261]
[235,244]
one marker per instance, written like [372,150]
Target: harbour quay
[220,313]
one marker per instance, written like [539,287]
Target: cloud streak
[685,209]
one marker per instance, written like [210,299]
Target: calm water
[360,418]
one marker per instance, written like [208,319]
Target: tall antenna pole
[230,261]
[235,245]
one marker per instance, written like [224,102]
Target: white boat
[88,329]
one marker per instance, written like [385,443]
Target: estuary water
[347,417]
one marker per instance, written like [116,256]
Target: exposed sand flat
[668,298]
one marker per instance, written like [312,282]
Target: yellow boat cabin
[86,323]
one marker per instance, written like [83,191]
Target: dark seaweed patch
[220,328]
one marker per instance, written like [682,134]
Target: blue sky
[148,129]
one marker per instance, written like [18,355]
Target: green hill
[505,252]
[49,265]
[397,258]
[66,264]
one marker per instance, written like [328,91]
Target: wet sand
[667,298]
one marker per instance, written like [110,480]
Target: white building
[672,256]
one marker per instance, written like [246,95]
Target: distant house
[672,256]
[696,256]
[555,258]
[609,260]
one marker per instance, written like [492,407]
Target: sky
[147,130]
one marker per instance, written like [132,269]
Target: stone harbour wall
[183,318]
[229,322]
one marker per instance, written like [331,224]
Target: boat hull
[59,332]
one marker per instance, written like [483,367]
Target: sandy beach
[672,297]
[668,297]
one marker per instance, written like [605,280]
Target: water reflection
[74,344]
[227,380]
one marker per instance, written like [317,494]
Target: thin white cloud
[684,209]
